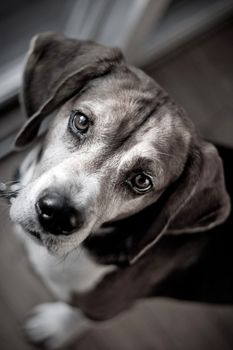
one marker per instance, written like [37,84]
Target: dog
[120,197]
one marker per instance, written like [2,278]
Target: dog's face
[113,149]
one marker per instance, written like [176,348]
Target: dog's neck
[113,247]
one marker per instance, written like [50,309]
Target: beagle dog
[119,196]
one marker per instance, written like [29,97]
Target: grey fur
[129,111]
[135,124]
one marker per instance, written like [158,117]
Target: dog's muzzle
[56,215]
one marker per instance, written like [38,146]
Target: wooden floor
[201,78]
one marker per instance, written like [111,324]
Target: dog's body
[194,268]
[121,194]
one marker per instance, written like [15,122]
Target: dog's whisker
[11,182]
[10,189]
[78,254]
[62,259]
[166,154]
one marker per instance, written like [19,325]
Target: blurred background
[187,46]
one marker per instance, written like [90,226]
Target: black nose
[56,215]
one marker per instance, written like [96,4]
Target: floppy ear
[57,68]
[197,201]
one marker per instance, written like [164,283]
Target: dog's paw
[53,325]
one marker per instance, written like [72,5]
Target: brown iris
[80,122]
[141,183]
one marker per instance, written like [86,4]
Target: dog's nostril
[46,207]
[56,215]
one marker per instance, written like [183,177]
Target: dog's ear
[57,68]
[195,202]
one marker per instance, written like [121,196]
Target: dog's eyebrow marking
[126,129]
[142,155]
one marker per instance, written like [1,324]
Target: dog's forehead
[131,106]
[123,96]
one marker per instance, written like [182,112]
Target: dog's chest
[77,272]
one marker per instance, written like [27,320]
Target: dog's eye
[79,121]
[141,183]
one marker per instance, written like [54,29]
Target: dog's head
[117,144]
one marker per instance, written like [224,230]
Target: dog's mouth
[35,235]
[105,228]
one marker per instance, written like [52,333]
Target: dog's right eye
[140,182]
[79,122]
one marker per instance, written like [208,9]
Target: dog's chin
[58,248]
[56,245]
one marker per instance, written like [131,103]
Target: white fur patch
[54,325]
[77,272]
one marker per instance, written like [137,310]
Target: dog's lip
[35,235]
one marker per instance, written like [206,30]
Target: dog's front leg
[55,324]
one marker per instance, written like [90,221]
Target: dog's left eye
[140,183]
[79,121]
